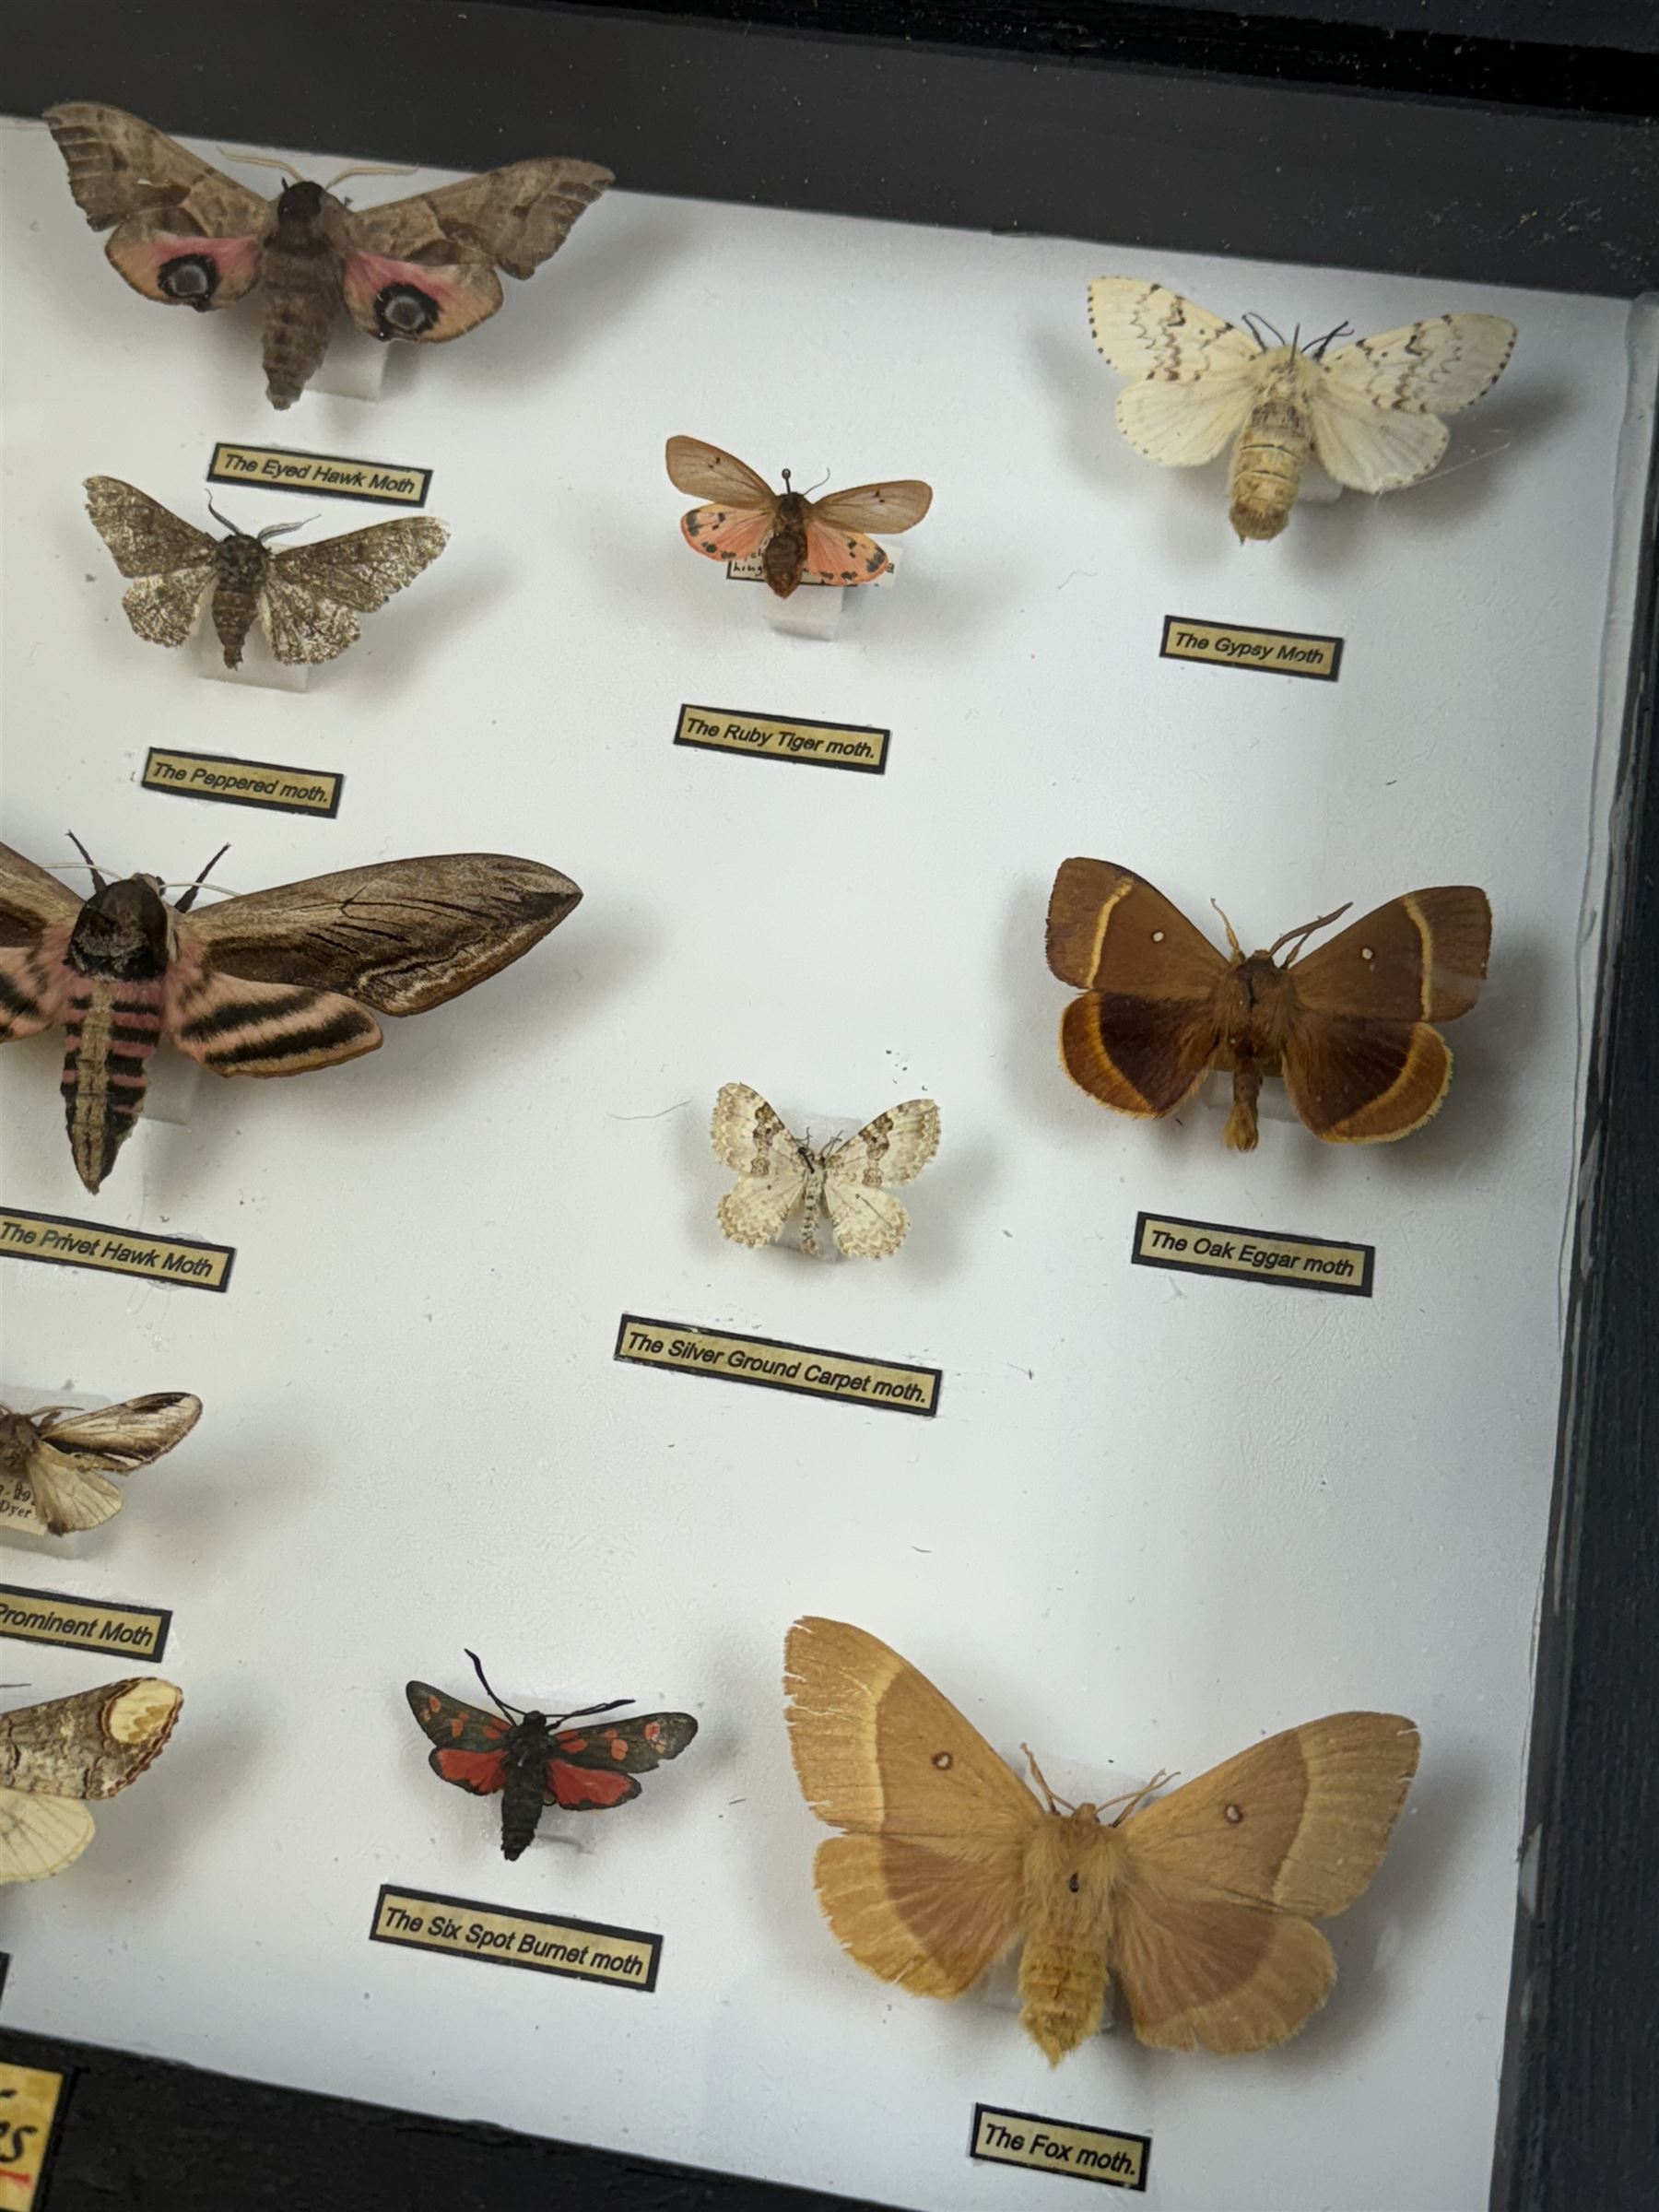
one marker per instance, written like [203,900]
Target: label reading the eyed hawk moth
[31,2103]
[582,1951]
[891,1385]
[242,782]
[765,737]
[63,1242]
[1254,1255]
[319,476]
[1086,2154]
[50,1617]
[1278,651]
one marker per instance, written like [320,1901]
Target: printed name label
[1219,1248]
[1279,652]
[1087,2153]
[582,1950]
[764,737]
[63,1242]
[890,1384]
[242,782]
[30,2105]
[49,1617]
[320,476]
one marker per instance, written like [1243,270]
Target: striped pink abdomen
[111,1030]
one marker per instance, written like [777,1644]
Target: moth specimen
[270,984]
[57,1459]
[534,1760]
[1200,1902]
[55,1758]
[305,598]
[422,268]
[799,540]
[1370,411]
[850,1180]
[1347,1026]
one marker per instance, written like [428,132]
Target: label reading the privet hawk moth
[64,1243]
[769,738]
[1278,651]
[319,476]
[242,783]
[891,1385]
[582,1950]
[1253,1255]
[52,1616]
[32,2103]
[1086,2154]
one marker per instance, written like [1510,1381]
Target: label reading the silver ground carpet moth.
[1274,652]
[242,783]
[1086,2154]
[891,1385]
[545,1943]
[319,476]
[769,737]
[1254,1255]
[52,1616]
[63,1242]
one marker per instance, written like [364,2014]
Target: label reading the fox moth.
[582,1950]
[1219,1248]
[319,476]
[52,1616]
[892,1386]
[1086,2154]
[242,782]
[767,738]
[1278,651]
[63,1242]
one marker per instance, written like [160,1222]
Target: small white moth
[1369,411]
[848,1180]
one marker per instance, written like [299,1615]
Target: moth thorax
[121,931]
[191,279]
[16,1440]
[522,1790]
[242,561]
[299,207]
[1268,462]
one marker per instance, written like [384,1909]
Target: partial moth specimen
[1369,412]
[1347,1026]
[305,598]
[55,1463]
[56,1758]
[269,985]
[424,267]
[798,540]
[850,1180]
[1200,1902]
[531,1759]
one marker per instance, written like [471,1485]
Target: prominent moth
[423,268]
[305,598]
[54,1758]
[1370,411]
[270,984]
[1200,1903]
[850,1180]
[1347,1026]
[798,539]
[532,1760]
[56,1461]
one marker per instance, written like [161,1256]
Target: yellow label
[62,1242]
[892,1385]
[1086,2154]
[31,2101]
[320,476]
[1219,1248]
[49,1617]
[242,782]
[1279,652]
[582,1950]
[18,1514]
[766,738]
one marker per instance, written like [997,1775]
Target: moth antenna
[277,529]
[786,479]
[1055,1803]
[182,906]
[1131,1798]
[583,1713]
[1306,930]
[1316,347]
[263,161]
[823,479]
[1232,935]
[223,520]
[98,881]
[1296,339]
[500,1703]
[1249,322]
[371,168]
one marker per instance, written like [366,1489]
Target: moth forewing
[69,1451]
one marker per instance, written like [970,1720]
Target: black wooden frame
[1507,162]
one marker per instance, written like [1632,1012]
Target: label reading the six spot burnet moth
[769,738]
[1252,1254]
[1278,651]
[52,1616]
[1086,2154]
[319,476]
[32,2103]
[242,783]
[894,1386]
[64,1243]
[582,1950]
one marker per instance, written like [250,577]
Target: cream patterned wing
[1433,368]
[869,1224]
[40,1835]
[1146,330]
[772,1167]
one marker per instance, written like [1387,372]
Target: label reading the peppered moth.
[242,782]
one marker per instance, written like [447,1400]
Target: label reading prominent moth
[31,2100]
[893,1386]
[1003,2137]
[768,737]
[580,1950]
[54,1616]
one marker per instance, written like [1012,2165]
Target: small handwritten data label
[1086,2154]
[242,782]
[1253,1255]
[765,737]
[319,476]
[1276,652]
[49,1617]
[582,1950]
[63,1242]
[894,1386]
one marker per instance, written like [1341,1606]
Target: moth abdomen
[235,607]
[784,557]
[526,1780]
[302,297]
[1267,464]
[110,1029]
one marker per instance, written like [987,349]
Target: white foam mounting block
[1157,1516]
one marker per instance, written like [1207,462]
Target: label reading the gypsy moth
[31,2103]
[242,783]
[319,476]
[63,1242]
[765,737]
[1279,652]
[893,1385]
[582,1951]
[1218,1248]
[50,1616]
[1087,2153]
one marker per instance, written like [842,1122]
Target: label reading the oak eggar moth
[766,738]
[242,782]
[1219,1248]
[582,1950]
[1086,2154]
[32,2103]
[319,476]
[892,1385]
[1278,651]
[63,1242]
[52,1616]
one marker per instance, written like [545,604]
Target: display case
[1150,1427]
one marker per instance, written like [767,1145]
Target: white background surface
[1155,1519]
